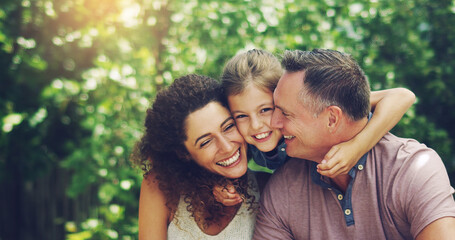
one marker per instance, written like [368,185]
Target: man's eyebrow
[207,134]
[282,109]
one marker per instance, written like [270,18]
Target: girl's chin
[267,147]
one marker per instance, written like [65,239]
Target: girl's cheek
[235,133]
[242,127]
[267,117]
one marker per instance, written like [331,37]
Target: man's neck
[349,131]
[342,182]
[343,134]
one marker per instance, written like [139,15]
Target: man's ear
[334,114]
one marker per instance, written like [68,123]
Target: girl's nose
[255,123]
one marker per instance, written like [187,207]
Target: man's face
[306,136]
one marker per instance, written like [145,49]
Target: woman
[190,145]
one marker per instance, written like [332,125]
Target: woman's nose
[225,145]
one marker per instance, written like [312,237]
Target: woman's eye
[240,116]
[229,126]
[204,143]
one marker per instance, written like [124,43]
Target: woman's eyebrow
[207,134]
[199,138]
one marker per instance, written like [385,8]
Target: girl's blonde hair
[254,66]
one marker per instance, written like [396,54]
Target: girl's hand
[389,106]
[340,159]
[226,195]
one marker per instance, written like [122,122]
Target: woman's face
[214,142]
[252,110]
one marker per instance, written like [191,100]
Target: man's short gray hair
[331,78]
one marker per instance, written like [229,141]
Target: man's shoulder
[414,182]
[398,147]
[404,158]
[390,138]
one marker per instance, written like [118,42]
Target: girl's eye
[266,110]
[240,116]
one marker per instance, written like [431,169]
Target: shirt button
[360,167]
[283,149]
[340,197]
[347,212]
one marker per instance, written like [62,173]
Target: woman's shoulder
[150,188]
[154,215]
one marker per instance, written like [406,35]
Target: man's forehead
[290,82]
[287,90]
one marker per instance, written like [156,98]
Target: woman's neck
[216,226]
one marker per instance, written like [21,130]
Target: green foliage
[77,76]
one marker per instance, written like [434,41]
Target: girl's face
[252,110]
[214,142]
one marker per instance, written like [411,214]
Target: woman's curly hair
[161,151]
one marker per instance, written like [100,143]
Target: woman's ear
[184,155]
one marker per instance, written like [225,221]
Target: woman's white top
[240,227]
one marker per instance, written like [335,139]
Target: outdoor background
[76,77]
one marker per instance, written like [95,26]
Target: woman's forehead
[207,119]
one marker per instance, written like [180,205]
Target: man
[398,190]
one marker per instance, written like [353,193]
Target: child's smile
[252,110]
